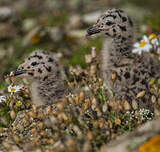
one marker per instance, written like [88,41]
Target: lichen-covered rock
[145,139]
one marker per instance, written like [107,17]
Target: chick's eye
[109,23]
[34,63]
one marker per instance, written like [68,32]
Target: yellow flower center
[142,43]
[35,39]
[13,90]
[19,103]
[153,36]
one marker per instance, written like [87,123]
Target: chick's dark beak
[17,72]
[92,30]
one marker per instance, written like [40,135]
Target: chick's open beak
[92,30]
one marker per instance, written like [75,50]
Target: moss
[154,22]
[60,19]
[101,95]
[3,85]
[29,13]
[79,53]
[13,60]
[4,113]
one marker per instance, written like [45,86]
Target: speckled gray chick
[48,79]
[132,72]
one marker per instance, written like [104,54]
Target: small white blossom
[145,114]
[144,45]
[13,89]
[154,39]
[127,122]
[131,115]
[2,98]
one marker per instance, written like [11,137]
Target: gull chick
[46,75]
[126,74]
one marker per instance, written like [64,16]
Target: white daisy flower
[13,89]
[144,45]
[154,39]
[2,98]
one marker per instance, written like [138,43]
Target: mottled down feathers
[132,72]
[48,79]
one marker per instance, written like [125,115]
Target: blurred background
[60,26]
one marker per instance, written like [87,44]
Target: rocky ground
[84,121]
[145,139]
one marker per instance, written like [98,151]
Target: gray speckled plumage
[48,79]
[132,72]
